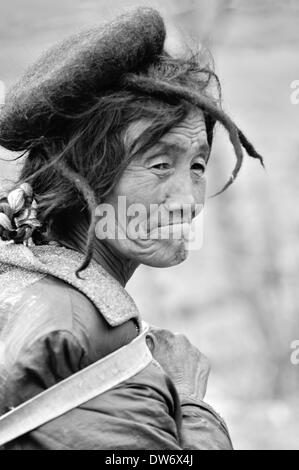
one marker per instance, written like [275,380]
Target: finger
[183,340]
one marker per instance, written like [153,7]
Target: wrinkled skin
[187,367]
[171,175]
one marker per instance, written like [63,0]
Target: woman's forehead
[191,130]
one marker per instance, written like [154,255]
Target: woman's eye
[198,168]
[161,166]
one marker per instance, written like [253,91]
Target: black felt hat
[66,77]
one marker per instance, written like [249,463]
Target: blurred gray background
[237,299]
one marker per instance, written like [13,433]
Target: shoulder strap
[77,389]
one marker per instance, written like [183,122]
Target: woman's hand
[188,368]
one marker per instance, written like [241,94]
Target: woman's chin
[166,257]
[154,253]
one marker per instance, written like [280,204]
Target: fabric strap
[77,389]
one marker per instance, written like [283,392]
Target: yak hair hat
[65,78]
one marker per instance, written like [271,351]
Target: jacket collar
[107,294]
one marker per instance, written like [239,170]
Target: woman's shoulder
[40,308]
[50,309]
[39,345]
[52,331]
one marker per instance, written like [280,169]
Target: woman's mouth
[172,231]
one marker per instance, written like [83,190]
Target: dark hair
[74,172]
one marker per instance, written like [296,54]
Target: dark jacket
[53,325]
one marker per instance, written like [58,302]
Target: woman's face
[158,195]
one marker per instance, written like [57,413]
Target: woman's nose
[180,193]
[181,205]
[184,197]
[181,210]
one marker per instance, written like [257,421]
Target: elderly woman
[104,116]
